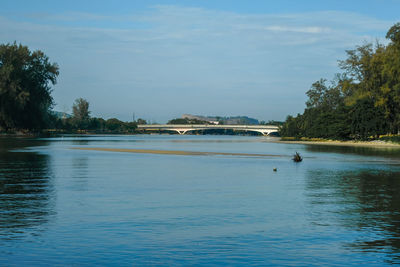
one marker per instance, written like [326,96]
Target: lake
[65,206]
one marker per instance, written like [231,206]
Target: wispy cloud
[314,29]
[72,16]
[160,60]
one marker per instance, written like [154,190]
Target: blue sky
[160,59]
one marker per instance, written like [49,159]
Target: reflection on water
[340,206]
[365,201]
[385,152]
[377,195]
[25,189]
[79,173]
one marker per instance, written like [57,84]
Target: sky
[161,59]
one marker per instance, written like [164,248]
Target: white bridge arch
[184,128]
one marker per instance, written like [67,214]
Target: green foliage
[394,33]
[96,125]
[116,126]
[82,122]
[367,120]
[272,122]
[81,113]
[25,87]
[113,124]
[141,121]
[360,103]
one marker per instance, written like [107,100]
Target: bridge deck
[183,128]
[206,126]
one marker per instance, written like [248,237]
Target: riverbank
[373,143]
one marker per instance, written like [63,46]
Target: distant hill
[223,120]
[61,115]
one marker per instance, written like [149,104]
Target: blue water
[60,206]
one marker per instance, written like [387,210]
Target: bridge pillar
[265,133]
[181,132]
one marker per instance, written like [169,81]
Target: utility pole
[133,116]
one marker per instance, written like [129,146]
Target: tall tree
[25,87]
[81,113]
[391,74]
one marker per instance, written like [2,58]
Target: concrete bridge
[184,128]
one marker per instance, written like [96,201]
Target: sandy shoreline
[371,144]
[377,144]
[174,152]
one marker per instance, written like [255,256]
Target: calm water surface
[60,206]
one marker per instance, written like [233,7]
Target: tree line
[362,102]
[81,121]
